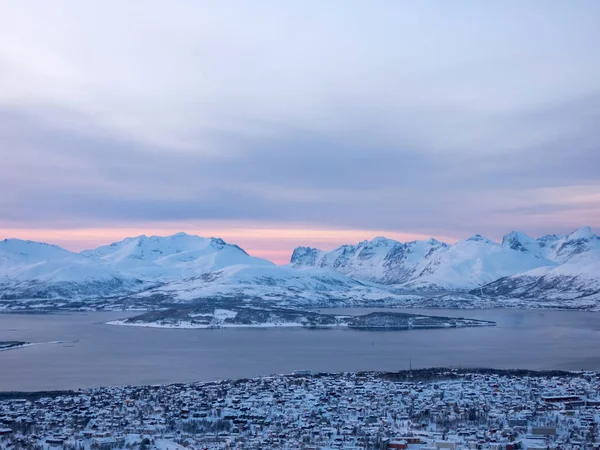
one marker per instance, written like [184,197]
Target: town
[421,409]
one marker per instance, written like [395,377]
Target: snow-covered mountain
[381,260]
[578,242]
[287,285]
[521,242]
[429,264]
[186,268]
[575,275]
[36,270]
[473,262]
[553,247]
[16,252]
[172,257]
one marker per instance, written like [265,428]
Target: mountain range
[184,268]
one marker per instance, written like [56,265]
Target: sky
[274,124]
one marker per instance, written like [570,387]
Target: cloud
[428,117]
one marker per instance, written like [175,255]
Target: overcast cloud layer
[436,118]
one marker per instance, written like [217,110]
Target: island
[214,316]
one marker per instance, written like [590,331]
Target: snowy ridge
[172,257]
[576,277]
[36,270]
[278,284]
[381,260]
[185,268]
[471,263]
[429,264]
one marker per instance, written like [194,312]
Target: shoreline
[436,373]
[399,308]
[192,326]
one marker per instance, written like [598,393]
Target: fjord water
[79,350]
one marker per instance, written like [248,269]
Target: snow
[578,278]
[430,264]
[269,283]
[580,241]
[380,260]
[27,265]
[187,325]
[177,256]
[164,444]
[472,263]
[183,267]
[35,269]
[524,243]
[222,314]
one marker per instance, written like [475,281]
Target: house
[397,444]
[543,431]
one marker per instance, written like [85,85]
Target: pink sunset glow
[275,244]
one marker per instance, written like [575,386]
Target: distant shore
[421,374]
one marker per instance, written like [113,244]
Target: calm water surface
[90,353]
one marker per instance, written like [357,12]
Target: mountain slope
[521,242]
[171,257]
[430,264]
[381,260]
[278,284]
[577,275]
[183,268]
[15,252]
[471,263]
[36,270]
[578,242]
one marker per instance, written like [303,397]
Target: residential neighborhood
[421,409]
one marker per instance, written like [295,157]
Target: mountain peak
[519,241]
[480,238]
[517,234]
[582,233]
[32,249]
[548,238]
[382,240]
[305,256]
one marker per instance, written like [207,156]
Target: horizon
[82,240]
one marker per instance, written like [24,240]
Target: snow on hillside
[380,260]
[580,241]
[27,260]
[577,277]
[183,267]
[521,242]
[171,257]
[16,251]
[35,270]
[301,286]
[429,264]
[32,269]
[472,263]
